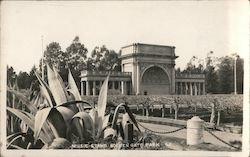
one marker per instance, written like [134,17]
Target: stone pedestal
[195,131]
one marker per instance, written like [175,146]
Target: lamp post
[235,76]
[235,85]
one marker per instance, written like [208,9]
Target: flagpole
[42,60]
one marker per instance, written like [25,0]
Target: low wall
[223,101]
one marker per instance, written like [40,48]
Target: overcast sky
[193,27]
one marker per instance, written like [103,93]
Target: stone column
[82,88]
[191,88]
[186,88]
[195,88]
[173,79]
[204,91]
[177,88]
[94,88]
[181,88]
[87,88]
[100,84]
[123,87]
[119,86]
[113,85]
[138,79]
[199,88]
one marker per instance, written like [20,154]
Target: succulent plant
[62,115]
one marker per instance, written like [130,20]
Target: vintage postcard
[124,78]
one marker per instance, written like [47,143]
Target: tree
[75,58]
[102,59]
[11,75]
[211,75]
[23,80]
[76,55]
[211,79]
[191,68]
[225,75]
[178,71]
[53,54]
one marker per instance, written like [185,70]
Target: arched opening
[155,81]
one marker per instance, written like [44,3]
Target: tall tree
[225,75]
[102,59]
[53,54]
[76,55]
[74,58]
[211,75]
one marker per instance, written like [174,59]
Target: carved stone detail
[166,67]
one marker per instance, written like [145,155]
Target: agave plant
[63,116]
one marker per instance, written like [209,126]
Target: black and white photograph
[124,78]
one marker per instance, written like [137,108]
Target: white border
[122,153]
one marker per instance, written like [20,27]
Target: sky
[193,27]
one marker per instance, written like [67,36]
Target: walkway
[208,138]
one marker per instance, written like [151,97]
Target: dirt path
[208,138]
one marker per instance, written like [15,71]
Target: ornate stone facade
[146,69]
[141,59]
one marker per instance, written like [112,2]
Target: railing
[180,76]
[105,73]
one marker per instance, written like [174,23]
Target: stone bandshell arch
[161,87]
[145,67]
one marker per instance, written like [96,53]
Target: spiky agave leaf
[22,116]
[60,143]
[116,114]
[15,86]
[73,87]
[57,123]
[69,103]
[66,113]
[108,131]
[40,118]
[77,128]
[102,103]
[14,135]
[131,116]
[94,115]
[45,91]
[86,124]
[24,127]
[46,132]
[37,99]
[29,119]
[14,139]
[56,86]
[23,99]
[74,90]
[106,122]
